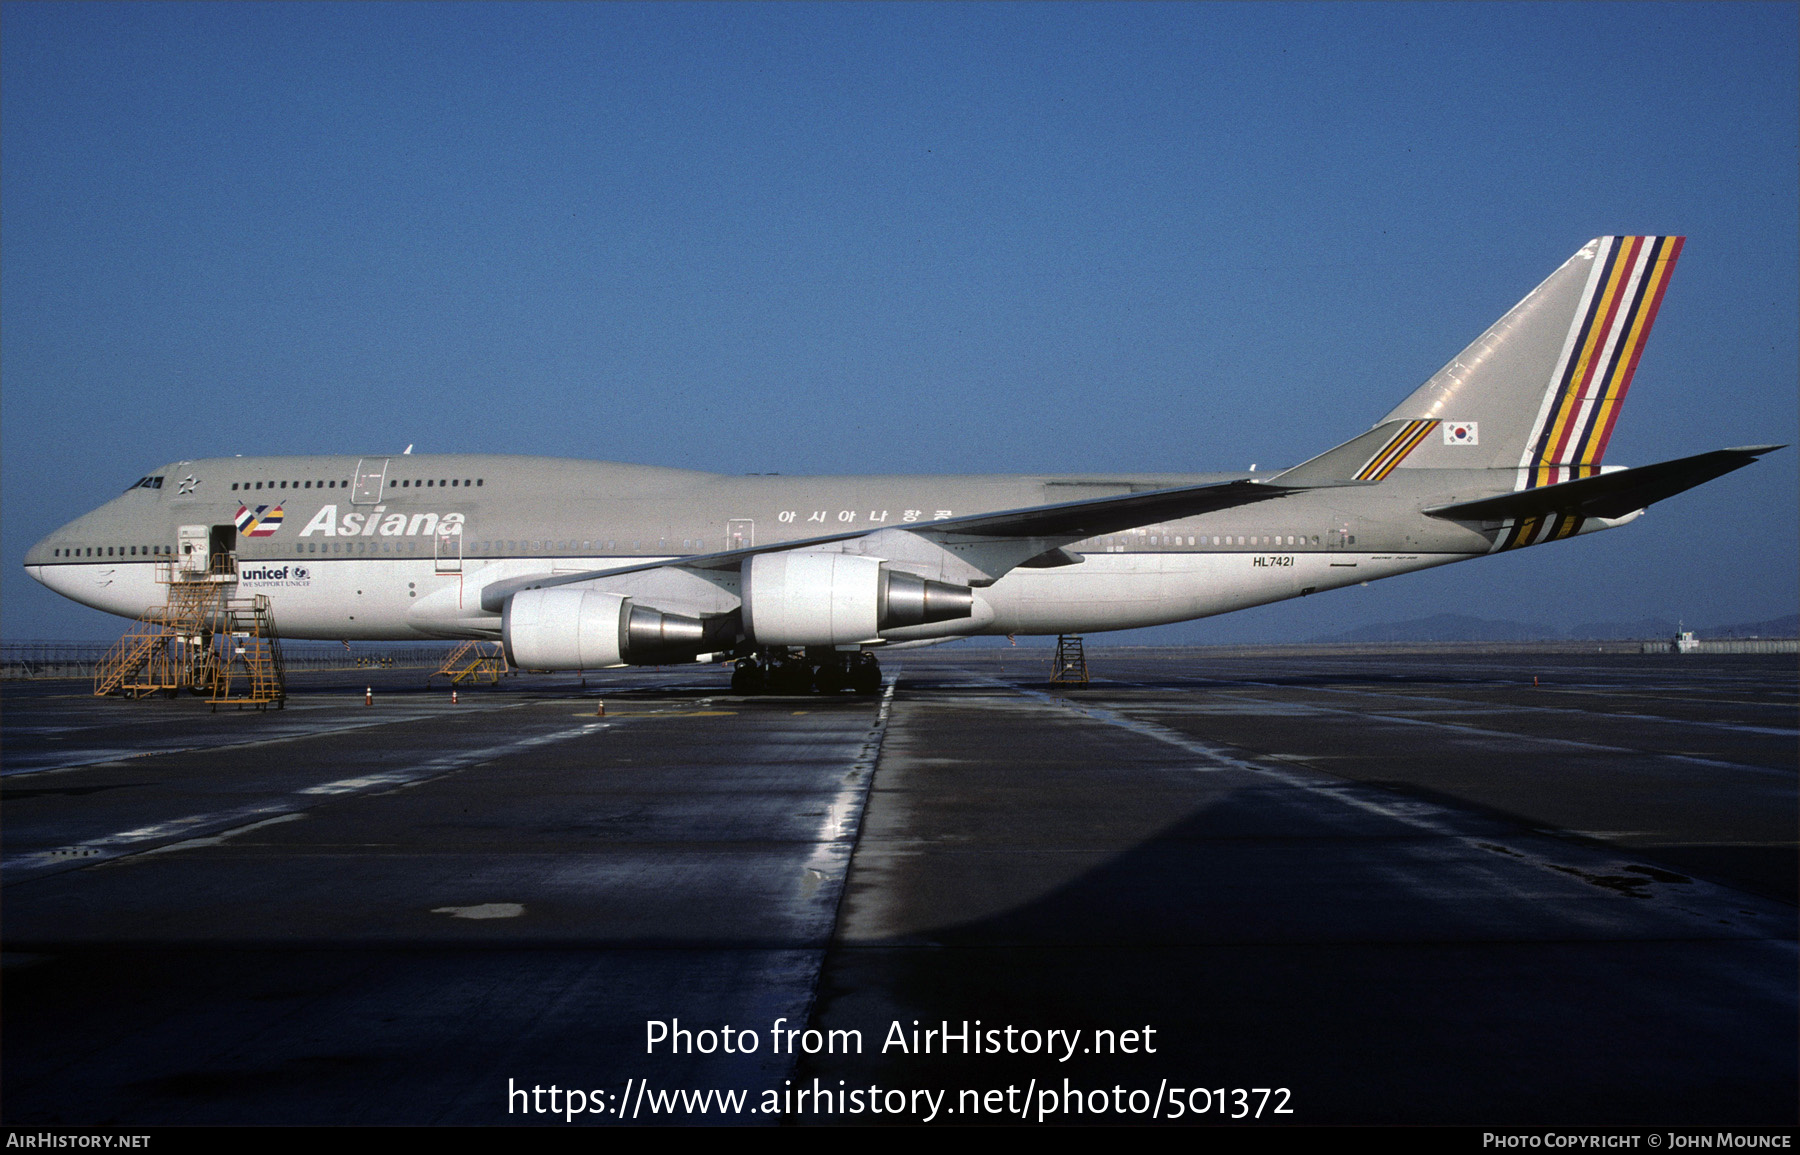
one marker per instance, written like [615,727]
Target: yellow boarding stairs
[202,639]
[473,663]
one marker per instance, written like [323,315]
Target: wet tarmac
[1388,889]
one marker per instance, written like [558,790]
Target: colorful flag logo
[262,523]
[1462,433]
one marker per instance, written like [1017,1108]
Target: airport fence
[34,660]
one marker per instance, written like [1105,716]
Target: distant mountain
[1445,628]
[1782,627]
[1464,628]
[1606,631]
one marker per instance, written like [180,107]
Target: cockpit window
[145,483]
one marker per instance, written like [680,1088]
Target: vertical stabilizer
[1541,389]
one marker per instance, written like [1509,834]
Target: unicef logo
[300,573]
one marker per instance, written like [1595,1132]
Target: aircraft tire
[866,677]
[790,678]
[747,678]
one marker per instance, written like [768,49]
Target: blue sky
[890,238]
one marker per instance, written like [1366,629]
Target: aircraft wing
[1609,494]
[1069,521]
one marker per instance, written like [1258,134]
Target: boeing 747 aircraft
[803,580]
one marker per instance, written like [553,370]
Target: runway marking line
[126,843]
[103,756]
[666,714]
[1408,720]
[1428,817]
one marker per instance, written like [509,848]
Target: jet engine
[566,629]
[837,599]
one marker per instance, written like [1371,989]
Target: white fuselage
[403,547]
[406,598]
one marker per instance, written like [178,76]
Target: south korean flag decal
[1462,433]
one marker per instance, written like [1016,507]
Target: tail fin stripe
[1600,395]
[1395,451]
[1621,359]
[1650,295]
[1624,294]
[1529,531]
[1601,346]
[1593,349]
[1574,349]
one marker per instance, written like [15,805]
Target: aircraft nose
[40,554]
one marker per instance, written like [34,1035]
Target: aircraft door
[370,473]
[740,533]
[221,548]
[192,544]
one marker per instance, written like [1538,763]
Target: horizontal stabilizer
[1609,494]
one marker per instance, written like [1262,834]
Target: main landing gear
[779,670]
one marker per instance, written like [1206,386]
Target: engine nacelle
[566,629]
[839,599]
